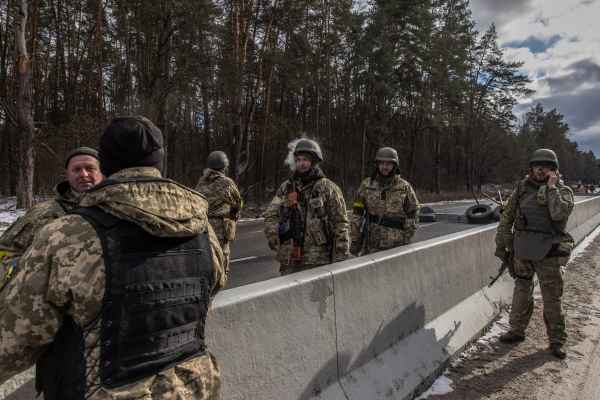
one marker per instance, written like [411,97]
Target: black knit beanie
[130,142]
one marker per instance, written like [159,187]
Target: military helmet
[543,156]
[387,154]
[217,160]
[309,146]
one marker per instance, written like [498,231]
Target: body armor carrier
[534,226]
[153,315]
[536,216]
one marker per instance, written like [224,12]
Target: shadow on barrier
[408,322]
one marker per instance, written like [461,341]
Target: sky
[559,41]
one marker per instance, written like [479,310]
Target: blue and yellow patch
[568,197]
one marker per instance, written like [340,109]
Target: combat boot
[511,337]
[557,350]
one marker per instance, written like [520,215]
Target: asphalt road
[252,261]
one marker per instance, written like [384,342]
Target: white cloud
[559,43]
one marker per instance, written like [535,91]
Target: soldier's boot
[511,337]
[558,351]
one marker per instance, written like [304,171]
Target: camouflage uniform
[402,207]
[313,255]
[216,206]
[19,236]
[549,271]
[63,273]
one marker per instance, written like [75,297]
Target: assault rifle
[295,224]
[367,231]
[329,245]
[507,263]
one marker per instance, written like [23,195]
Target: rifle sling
[388,194]
[528,199]
[221,197]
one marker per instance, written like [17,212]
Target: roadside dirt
[528,370]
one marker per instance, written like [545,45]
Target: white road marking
[435,223]
[242,259]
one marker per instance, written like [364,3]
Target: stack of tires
[482,213]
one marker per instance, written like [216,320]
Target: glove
[355,248]
[274,241]
[500,252]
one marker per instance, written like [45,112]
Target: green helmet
[308,146]
[387,154]
[217,160]
[543,156]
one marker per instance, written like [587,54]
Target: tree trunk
[100,77]
[163,111]
[27,142]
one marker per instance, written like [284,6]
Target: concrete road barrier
[381,326]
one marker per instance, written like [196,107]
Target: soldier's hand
[274,242]
[355,248]
[500,252]
[553,179]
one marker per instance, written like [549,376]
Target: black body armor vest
[153,315]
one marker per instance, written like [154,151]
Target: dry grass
[506,188]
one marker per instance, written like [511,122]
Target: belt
[386,222]
[216,218]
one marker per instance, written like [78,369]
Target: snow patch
[578,251]
[442,203]
[8,212]
[440,387]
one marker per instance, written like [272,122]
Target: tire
[426,214]
[498,213]
[479,214]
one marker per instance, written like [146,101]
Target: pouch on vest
[532,245]
[315,229]
[228,229]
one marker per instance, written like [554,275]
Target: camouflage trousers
[287,269]
[551,279]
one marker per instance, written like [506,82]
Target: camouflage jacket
[335,208]
[402,207]
[216,206]
[63,272]
[560,201]
[18,236]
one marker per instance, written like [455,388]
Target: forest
[249,76]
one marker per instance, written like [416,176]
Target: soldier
[82,170]
[111,300]
[321,210]
[533,227]
[224,200]
[392,207]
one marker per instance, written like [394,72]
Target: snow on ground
[442,385]
[585,243]
[250,219]
[442,203]
[8,213]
